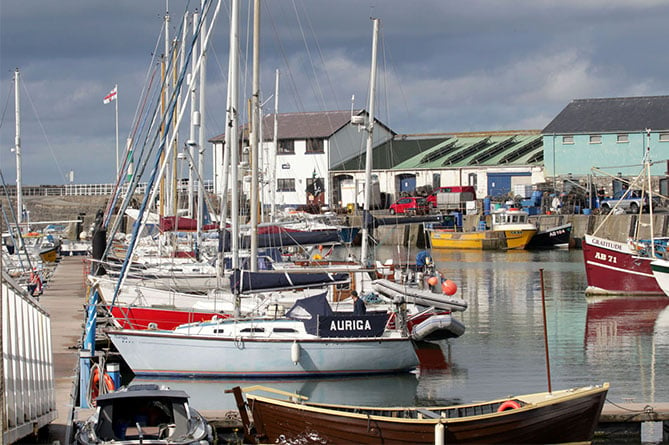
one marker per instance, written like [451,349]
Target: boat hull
[138,317]
[660,270]
[482,240]
[563,416]
[613,268]
[555,238]
[154,352]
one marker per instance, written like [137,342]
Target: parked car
[633,201]
[412,205]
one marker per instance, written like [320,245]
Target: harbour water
[624,341]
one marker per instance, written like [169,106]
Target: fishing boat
[624,268]
[146,413]
[617,268]
[548,417]
[311,340]
[557,237]
[511,229]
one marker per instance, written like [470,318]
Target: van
[450,198]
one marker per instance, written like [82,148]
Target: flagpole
[116,104]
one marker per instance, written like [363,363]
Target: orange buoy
[449,287]
[509,404]
[432,281]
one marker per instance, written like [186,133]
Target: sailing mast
[17,149]
[275,148]
[366,216]
[255,127]
[231,135]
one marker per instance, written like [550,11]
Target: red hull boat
[614,268]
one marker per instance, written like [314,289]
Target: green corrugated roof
[385,156]
[479,149]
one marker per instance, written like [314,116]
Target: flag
[111,96]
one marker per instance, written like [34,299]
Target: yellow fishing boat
[511,229]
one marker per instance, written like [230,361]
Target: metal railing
[89,189]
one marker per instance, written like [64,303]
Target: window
[286,147]
[623,138]
[664,137]
[567,140]
[436,180]
[285,185]
[595,139]
[315,146]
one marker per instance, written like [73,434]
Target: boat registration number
[605,257]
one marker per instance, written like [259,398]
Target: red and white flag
[111,96]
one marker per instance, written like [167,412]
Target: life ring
[509,404]
[95,383]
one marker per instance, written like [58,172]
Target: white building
[308,146]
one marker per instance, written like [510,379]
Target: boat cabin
[141,413]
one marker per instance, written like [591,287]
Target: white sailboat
[311,340]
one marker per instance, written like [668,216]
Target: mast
[275,145]
[255,126]
[200,136]
[17,149]
[231,136]
[366,217]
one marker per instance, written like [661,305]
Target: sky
[443,66]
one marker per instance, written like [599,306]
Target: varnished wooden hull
[563,416]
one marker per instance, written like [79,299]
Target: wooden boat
[511,229]
[557,237]
[558,417]
[148,413]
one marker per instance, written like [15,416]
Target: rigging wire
[39,121]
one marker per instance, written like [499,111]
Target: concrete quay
[64,300]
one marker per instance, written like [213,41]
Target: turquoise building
[610,134]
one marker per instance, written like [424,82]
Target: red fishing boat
[617,268]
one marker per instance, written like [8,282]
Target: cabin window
[285,185]
[664,137]
[315,146]
[567,140]
[286,147]
[623,138]
[284,330]
[596,139]
[253,330]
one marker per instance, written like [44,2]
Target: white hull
[154,353]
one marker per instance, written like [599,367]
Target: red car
[413,205]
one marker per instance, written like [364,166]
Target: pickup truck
[632,202]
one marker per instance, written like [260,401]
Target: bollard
[114,371]
[85,357]
[439,438]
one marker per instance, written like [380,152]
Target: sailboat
[311,340]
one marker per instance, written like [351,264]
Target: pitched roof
[319,124]
[395,150]
[481,148]
[611,115]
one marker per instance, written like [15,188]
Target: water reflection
[384,390]
[624,341]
